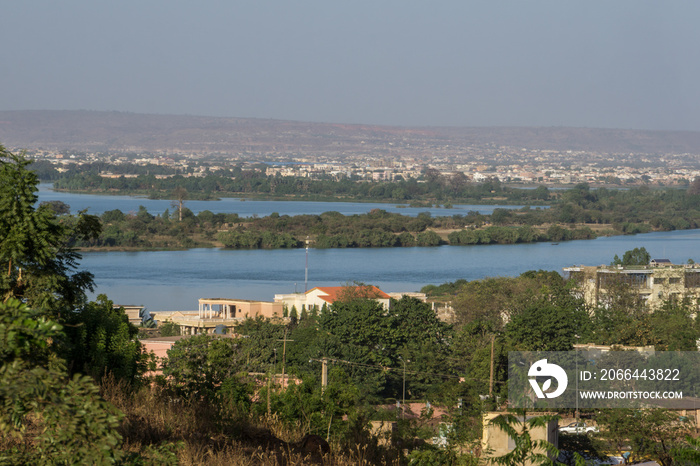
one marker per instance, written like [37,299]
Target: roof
[334,293]
[170,339]
[661,261]
[231,300]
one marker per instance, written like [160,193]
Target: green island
[581,212]
[577,213]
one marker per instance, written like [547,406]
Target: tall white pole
[306,269]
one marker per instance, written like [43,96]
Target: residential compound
[317,297]
[655,283]
[216,313]
[219,312]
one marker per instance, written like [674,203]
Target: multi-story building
[655,283]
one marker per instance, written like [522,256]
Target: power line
[390,369]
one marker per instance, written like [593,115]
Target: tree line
[577,213]
[236,181]
[377,228]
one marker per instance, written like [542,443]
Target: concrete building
[329,294]
[133,312]
[238,309]
[655,283]
[214,312]
[495,442]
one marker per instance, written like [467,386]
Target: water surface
[169,280]
[97,204]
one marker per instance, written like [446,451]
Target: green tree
[318,410]
[59,207]
[428,238]
[75,425]
[673,327]
[199,365]
[527,450]
[688,455]
[494,300]
[293,315]
[549,324]
[102,341]
[169,329]
[360,332]
[37,261]
[652,433]
[420,337]
[256,347]
[636,256]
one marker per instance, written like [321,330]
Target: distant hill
[119,131]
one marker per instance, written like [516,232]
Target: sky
[599,63]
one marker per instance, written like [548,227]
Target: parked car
[578,427]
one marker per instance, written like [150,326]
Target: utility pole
[493,337]
[275,366]
[324,371]
[324,374]
[269,389]
[403,396]
[284,353]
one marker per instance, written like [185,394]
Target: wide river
[175,280]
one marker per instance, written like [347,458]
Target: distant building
[598,350]
[133,312]
[655,283]
[220,308]
[329,294]
[219,311]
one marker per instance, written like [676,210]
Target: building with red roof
[321,295]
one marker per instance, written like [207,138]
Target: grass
[164,430]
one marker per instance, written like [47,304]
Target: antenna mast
[306,269]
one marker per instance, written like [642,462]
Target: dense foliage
[577,213]
[50,336]
[36,258]
[237,181]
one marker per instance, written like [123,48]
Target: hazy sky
[594,63]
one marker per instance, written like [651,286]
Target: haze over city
[622,64]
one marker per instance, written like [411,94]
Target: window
[692,280]
[635,280]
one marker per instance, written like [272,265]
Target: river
[175,280]
[97,204]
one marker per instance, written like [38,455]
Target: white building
[329,294]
